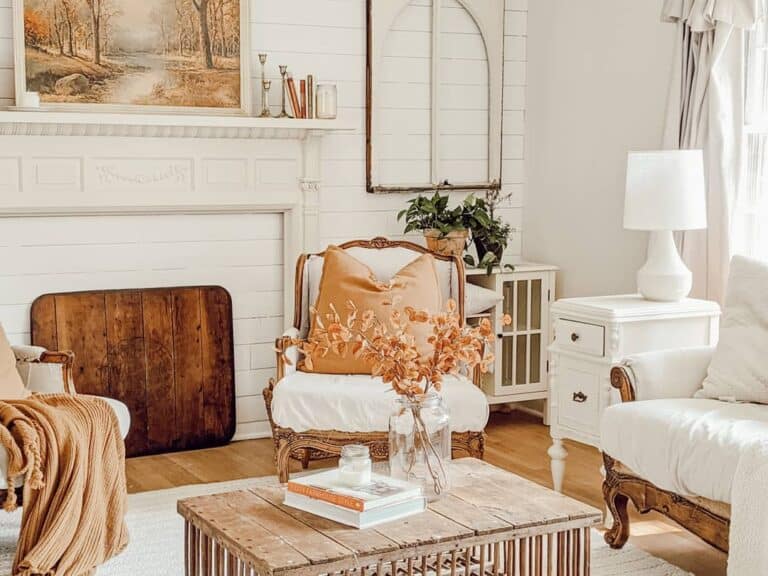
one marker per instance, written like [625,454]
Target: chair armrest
[676,373]
[284,349]
[45,371]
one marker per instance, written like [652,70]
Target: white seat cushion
[360,403]
[689,446]
[123,418]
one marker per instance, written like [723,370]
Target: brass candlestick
[264,88]
[284,73]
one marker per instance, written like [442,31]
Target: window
[435,94]
[750,225]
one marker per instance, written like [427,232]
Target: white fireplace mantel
[36,122]
[65,165]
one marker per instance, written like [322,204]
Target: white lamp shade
[665,191]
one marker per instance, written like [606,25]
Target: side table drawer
[578,398]
[580,337]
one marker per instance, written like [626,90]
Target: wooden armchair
[667,375]
[50,372]
[296,436]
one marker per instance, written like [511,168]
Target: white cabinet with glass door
[520,369]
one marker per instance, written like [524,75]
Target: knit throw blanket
[72,457]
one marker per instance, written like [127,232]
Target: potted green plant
[490,234]
[443,228]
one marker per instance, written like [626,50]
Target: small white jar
[326,102]
[355,465]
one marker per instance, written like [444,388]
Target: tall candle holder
[284,73]
[264,88]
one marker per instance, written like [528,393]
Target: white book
[352,518]
[380,491]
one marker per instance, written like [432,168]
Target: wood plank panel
[44,322]
[167,353]
[162,431]
[125,365]
[188,365]
[217,361]
[81,327]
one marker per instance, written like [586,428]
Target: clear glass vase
[420,443]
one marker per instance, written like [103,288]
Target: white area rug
[156,532]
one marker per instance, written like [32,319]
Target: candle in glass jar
[327,103]
[355,465]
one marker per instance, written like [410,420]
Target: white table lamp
[665,192]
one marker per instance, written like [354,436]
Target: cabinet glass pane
[508,292]
[535,304]
[520,355]
[522,305]
[535,358]
[507,373]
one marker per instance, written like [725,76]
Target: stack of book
[384,499]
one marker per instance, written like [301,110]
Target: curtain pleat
[705,110]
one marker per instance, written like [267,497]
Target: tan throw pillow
[345,278]
[11,385]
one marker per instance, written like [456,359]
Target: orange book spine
[326,496]
[303,92]
[293,98]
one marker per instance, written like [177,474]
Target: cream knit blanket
[72,457]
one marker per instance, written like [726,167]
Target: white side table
[592,334]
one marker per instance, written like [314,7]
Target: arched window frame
[489,18]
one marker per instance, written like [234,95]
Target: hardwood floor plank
[516,442]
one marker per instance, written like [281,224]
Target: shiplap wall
[322,37]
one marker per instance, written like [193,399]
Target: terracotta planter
[452,244]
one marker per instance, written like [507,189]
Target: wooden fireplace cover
[167,353]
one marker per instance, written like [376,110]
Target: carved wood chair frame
[66,360]
[312,445]
[621,486]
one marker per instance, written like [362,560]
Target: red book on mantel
[303,103]
[293,97]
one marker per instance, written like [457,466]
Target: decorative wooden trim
[620,487]
[312,445]
[620,379]
[67,361]
[68,123]
[377,243]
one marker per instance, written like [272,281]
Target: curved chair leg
[283,461]
[617,502]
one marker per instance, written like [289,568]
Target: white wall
[597,81]
[322,37]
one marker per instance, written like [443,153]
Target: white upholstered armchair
[313,415]
[660,442]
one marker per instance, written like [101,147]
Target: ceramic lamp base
[664,277]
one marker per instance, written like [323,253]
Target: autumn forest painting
[173,53]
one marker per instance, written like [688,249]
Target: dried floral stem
[398,358]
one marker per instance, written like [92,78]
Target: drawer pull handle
[574,336]
[579,397]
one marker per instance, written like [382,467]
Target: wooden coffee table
[492,523]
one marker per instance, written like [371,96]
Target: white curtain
[705,110]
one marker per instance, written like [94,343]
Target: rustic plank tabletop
[491,519]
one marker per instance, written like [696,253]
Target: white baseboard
[252,431]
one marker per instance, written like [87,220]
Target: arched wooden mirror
[434,95]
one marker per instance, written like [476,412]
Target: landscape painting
[141,53]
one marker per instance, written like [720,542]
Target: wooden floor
[516,442]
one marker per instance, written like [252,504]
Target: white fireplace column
[310,191]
